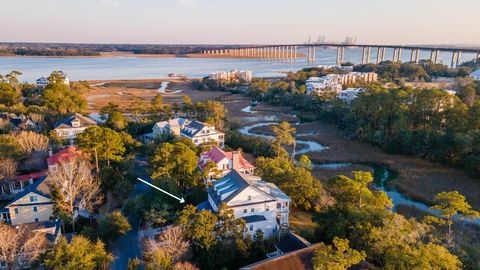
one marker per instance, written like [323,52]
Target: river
[111,68]
[382,173]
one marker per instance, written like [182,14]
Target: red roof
[216,155]
[34,175]
[64,154]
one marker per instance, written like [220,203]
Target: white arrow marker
[181,200]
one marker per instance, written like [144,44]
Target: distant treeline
[71,49]
[47,52]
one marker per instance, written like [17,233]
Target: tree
[77,189]
[8,95]
[112,226]
[117,121]
[338,256]
[104,143]
[284,136]
[355,193]
[20,245]
[296,181]
[80,254]
[177,161]
[59,98]
[30,141]
[8,168]
[199,227]
[451,205]
[113,117]
[171,241]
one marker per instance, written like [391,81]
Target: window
[245,211]
[36,219]
[267,207]
[279,205]
[16,211]
[33,198]
[35,209]
[249,197]
[3,264]
[252,210]
[251,227]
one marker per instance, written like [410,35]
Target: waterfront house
[197,132]
[262,205]
[225,162]
[33,204]
[71,126]
[42,82]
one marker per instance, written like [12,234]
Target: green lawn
[301,223]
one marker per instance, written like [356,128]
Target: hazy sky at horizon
[245,21]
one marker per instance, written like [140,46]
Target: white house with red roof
[226,162]
[65,154]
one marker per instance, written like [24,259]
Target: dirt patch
[127,92]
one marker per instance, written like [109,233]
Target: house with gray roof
[73,125]
[32,205]
[261,204]
[197,132]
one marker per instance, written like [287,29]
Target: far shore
[128,54]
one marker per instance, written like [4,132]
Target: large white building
[262,205]
[335,82]
[232,76]
[197,132]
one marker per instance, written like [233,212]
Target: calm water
[140,68]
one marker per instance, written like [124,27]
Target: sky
[240,21]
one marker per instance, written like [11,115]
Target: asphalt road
[128,246]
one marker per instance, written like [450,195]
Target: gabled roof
[67,122]
[41,187]
[233,184]
[193,128]
[216,155]
[34,175]
[65,154]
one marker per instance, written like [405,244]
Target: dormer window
[76,123]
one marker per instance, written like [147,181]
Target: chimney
[50,152]
[236,160]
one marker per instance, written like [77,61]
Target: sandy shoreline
[127,54]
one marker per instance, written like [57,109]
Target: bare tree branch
[20,242]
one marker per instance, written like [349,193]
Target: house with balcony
[73,125]
[197,132]
[32,205]
[18,183]
[261,204]
[225,162]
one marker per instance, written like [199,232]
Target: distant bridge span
[289,51]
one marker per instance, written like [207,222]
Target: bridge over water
[289,52]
